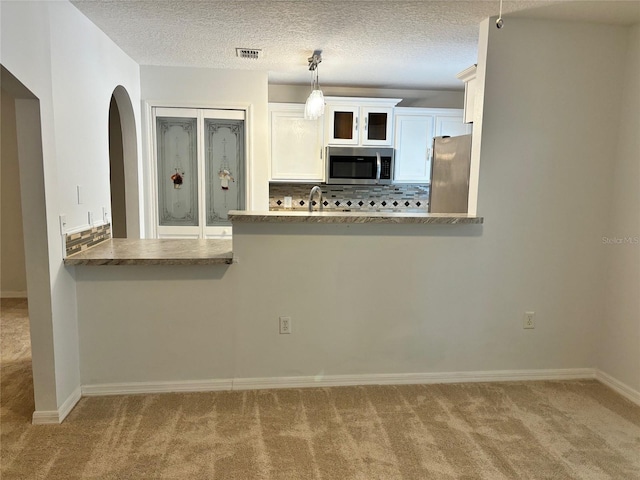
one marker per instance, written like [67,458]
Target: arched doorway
[123,162]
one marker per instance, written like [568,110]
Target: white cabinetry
[296,145]
[415,129]
[359,121]
[468,76]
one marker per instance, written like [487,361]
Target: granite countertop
[333,216]
[127,251]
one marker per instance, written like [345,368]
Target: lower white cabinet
[415,129]
[296,144]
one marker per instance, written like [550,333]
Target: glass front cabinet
[359,121]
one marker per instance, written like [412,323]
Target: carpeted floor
[532,430]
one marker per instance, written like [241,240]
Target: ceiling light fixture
[314,107]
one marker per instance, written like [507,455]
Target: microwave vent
[250,53]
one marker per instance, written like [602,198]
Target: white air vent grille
[252,53]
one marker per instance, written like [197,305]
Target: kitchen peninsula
[120,251]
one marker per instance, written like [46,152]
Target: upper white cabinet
[297,152]
[468,76]
[415,129]
[359,121]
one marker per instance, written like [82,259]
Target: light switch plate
[63,224]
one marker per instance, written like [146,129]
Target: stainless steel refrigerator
[449,190]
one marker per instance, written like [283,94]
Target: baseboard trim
[334,381]
[618,386]
[13,294]
[48,417]
[412,378]
[156,387]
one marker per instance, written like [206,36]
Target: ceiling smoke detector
[252,53]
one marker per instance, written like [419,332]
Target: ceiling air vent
[253,53]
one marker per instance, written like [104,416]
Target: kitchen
[369,302]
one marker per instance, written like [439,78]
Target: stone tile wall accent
[353,197]
[79,241]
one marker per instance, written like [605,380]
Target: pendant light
[500,21]
[314,107]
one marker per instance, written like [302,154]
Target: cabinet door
[413,144]
[342,124]
[377,126]
[296,145]
[200,167]
[451,125]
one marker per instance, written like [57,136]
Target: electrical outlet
[80,193]
[529,320]
[287,202]
[285,325]
[105,215]
[63,224]
[90,218]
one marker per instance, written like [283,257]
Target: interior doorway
[27,370]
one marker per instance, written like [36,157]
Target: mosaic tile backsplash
[76,242]
[352,197]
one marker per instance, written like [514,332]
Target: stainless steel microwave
[359,165]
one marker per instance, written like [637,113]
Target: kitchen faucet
[315,190]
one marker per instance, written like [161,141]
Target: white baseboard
[412,378]
[622,388]
[156,387]
[13,294]
[334,381]
[44,417]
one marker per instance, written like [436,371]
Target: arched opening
[116,173]
[123,160]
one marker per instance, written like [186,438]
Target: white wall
[72,68]
[620,330]
[410,98]
[13,275]
[212,88]
[398,299]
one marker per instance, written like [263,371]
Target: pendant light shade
[314,107]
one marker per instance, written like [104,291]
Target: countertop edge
[352,217]
[70,261]
[154,252]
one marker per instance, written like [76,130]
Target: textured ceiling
[367,43]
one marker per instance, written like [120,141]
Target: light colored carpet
[528,430]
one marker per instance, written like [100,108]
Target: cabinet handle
[365,123]
[356,124]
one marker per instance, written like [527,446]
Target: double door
[200,171]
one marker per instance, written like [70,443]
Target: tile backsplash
[398,197]
[79,241]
